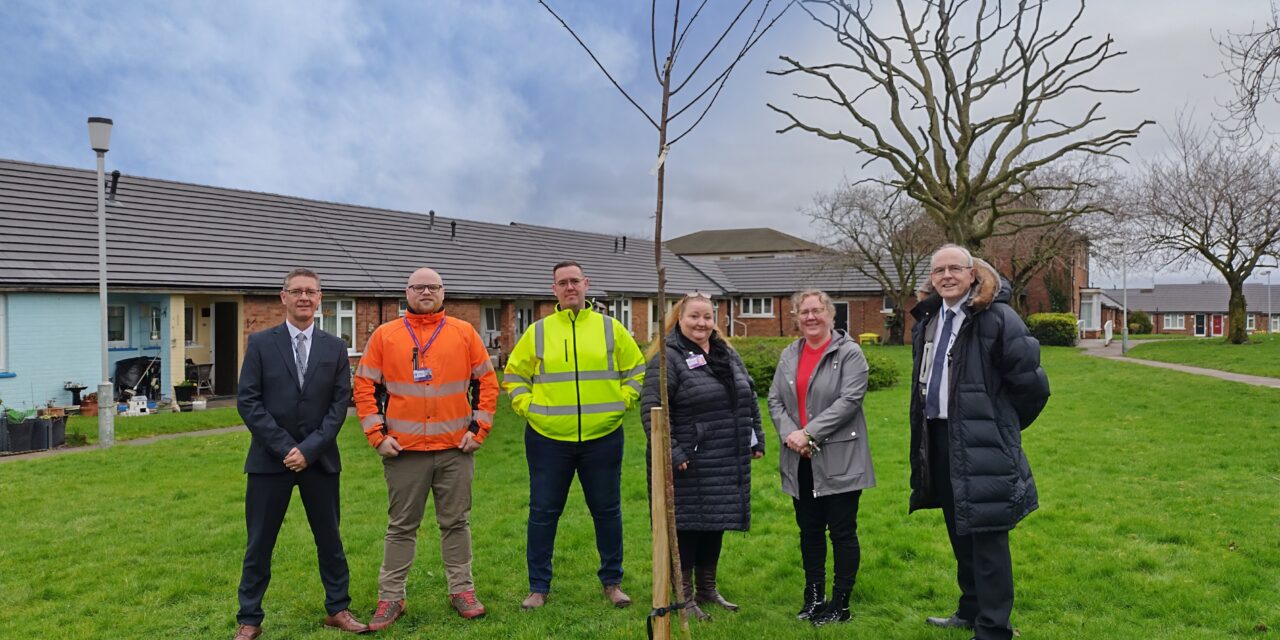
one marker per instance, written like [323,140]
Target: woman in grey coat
[816,405]
[715,434]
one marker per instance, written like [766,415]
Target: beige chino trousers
[411,477]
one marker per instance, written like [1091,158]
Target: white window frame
[524,318]
[1275,327]
[886,303]
[1250,322]
[155,323]
[190,326]
[1175,322]
[334,325]
[654,329]
[404,307]
[4,332]
[491,325]
[124,319]
[750,309]
[620,309]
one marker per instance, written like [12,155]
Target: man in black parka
[977,383]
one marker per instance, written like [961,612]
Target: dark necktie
[301,359]
[932,400]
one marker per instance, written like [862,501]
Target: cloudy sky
[487,109]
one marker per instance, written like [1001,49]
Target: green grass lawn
[133,427]
[1159,520]
[1161,336]
[1259,357]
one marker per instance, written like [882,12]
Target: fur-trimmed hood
[988,287]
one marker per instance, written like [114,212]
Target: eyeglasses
[950,268]
[812,312]
[419,288]
[698,294]
[568,282]
[298,293]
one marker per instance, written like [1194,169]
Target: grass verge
[1259,357]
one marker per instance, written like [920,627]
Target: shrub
[760,355]
[1053,329]
[1139,322]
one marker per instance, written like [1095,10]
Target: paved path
[1095,348]
[126,443]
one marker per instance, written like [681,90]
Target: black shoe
[954,622]
[837,610]
[814,596]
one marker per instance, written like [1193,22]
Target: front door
[226,331]
[1199,324]
[1217,324]
[842,316]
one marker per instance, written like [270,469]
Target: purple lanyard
[418,348]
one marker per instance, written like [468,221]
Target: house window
[524,319]
[4,351]
[1175,321]
[620,309]
[759,307]
[654,329]
[117,326]
[339,318]
[491,326]
[886,303]
[1275,326]
[154,323]
[1250,322]
[189,333]
[404,307]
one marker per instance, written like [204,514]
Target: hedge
[760,355]
[1053,329]
[1139,322]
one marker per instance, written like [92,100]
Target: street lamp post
[1267,273]
[1124,305]
[100,141]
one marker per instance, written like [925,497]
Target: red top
[809,358]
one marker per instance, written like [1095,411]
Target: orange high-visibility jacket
[430,415]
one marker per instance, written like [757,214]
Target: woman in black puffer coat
[715,434]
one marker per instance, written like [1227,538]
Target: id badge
[695,361]
[422,375]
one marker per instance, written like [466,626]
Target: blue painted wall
[53,338]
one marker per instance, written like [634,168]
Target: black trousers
[266,499]
[699,548]
[836,514]
[984,570]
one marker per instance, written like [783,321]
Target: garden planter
[184,394]
[4,432]
[20,435]
[58,432]
[88,407]
[40,434]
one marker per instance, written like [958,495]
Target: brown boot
[691,607]
[707,592]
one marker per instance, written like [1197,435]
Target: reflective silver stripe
[369,422]
[413,427]
[632,372]
[481,369]
[371,373]
[511,377]
[571,410]
[608,340]
[633,384]
[539,346]
[482,416]
[416,390]
[570,376]
[518,391]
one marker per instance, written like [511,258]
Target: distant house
[1193,309]
[733,244]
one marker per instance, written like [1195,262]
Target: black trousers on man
[984,569]
[266,500]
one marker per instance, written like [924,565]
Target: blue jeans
[552,464]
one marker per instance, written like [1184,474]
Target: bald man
[441,392]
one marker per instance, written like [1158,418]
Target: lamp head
[100,134]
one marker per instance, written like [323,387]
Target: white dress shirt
[293,339]
[944,389]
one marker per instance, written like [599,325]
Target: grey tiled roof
[722,241]
[1196,298]
[786,275]
[174,236]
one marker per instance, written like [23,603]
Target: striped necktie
[301,357]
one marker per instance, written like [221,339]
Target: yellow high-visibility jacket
[573,374]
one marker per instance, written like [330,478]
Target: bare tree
[872,229]
[1217,199]
[1035,252]
[963,101]
[686,94]
[1253,65]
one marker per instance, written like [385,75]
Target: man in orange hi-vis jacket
[441,392]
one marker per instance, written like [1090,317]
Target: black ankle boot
[690,606]
[814,594]
[837,610]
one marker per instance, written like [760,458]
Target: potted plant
[20,427]
[184,391]
[89,405]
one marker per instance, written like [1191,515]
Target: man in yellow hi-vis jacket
[572,376]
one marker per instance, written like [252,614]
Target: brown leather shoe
[344,621]
[247,632]
[388,611]
[535,600]
[615,595]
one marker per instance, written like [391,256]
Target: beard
[425,307]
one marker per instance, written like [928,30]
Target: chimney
[115,181]
[431,219]
[615,245]
[453,229]
[624,244]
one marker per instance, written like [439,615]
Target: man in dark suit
[295,387]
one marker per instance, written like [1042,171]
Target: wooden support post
[658,470]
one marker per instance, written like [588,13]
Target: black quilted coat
[997,389]
[715,426]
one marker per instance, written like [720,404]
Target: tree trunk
[1236,311]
